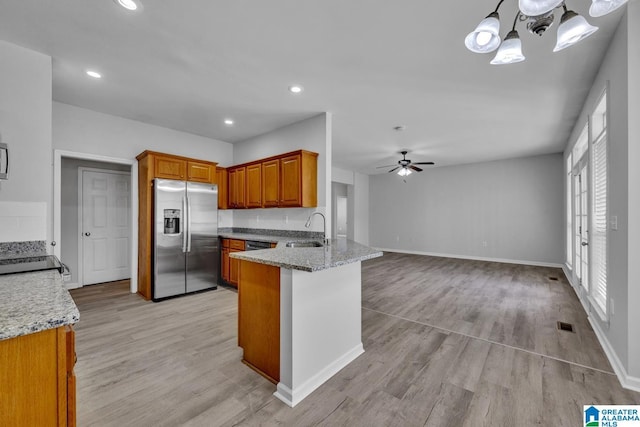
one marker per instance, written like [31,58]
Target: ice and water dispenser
[172,221]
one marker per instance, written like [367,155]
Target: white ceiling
[373,64]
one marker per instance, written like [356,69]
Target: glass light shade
[486,37]
[572,29]
[510,50]
[602,7]
[404,172]
[538,7]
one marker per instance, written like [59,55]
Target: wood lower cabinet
[259,318]
[230,266]
[37,382]
[153,165]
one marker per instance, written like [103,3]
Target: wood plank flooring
[447,343]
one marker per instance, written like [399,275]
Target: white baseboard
[293,396]
[72,285]
[627,381]
[475,258]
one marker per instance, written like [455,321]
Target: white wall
[619,334]
[86,131]
[25,125]
[313,134]
[502,210]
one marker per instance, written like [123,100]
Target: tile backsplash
[23,221]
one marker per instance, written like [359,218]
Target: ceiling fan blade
[396,168]
[415,168]
[387,166]
[423,163]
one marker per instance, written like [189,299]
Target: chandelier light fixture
[538,15]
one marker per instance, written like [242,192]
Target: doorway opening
[90,192]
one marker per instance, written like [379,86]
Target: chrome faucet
[324,225]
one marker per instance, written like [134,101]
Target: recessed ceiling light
[94,74]
[228,122]
[295,88]
[129,4]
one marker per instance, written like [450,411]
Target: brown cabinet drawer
[236,244]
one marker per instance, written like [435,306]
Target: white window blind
[569,236]
[599,210]
[599,223]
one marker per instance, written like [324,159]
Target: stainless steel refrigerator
[186,253]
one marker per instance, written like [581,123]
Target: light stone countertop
[34,302]
[339,252]
[262,237]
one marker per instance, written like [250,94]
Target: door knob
[584,243]
[87,234]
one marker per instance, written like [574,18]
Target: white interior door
[581,230]
[105,228]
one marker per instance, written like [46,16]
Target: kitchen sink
[311,244]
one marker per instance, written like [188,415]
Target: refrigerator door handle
[184,230]
[188,224]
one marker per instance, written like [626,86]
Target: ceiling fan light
[510,50]
[538,7]
[404,171]
[573,28]
[486,37]
[603,7]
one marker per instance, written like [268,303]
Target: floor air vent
[553,278]
[563,326]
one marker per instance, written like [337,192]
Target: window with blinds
[569,225]
[599,211]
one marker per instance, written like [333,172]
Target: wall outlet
[286,219]
[614,222]
[484,244]
[257,218]
[612,307]
[397,238]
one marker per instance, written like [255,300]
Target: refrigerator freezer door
[203,256]
[169,238]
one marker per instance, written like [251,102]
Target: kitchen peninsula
[299,312]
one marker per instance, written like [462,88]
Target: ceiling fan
[405,166]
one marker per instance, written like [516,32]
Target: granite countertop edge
[34,302]
[310,259]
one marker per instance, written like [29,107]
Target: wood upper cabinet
[287,180]
[254,185]
[271,183]
[237,187]
[169,167]
[223,188]
[201,172]
[37,383]
[299,180]
[153,165]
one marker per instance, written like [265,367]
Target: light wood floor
[447,343]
